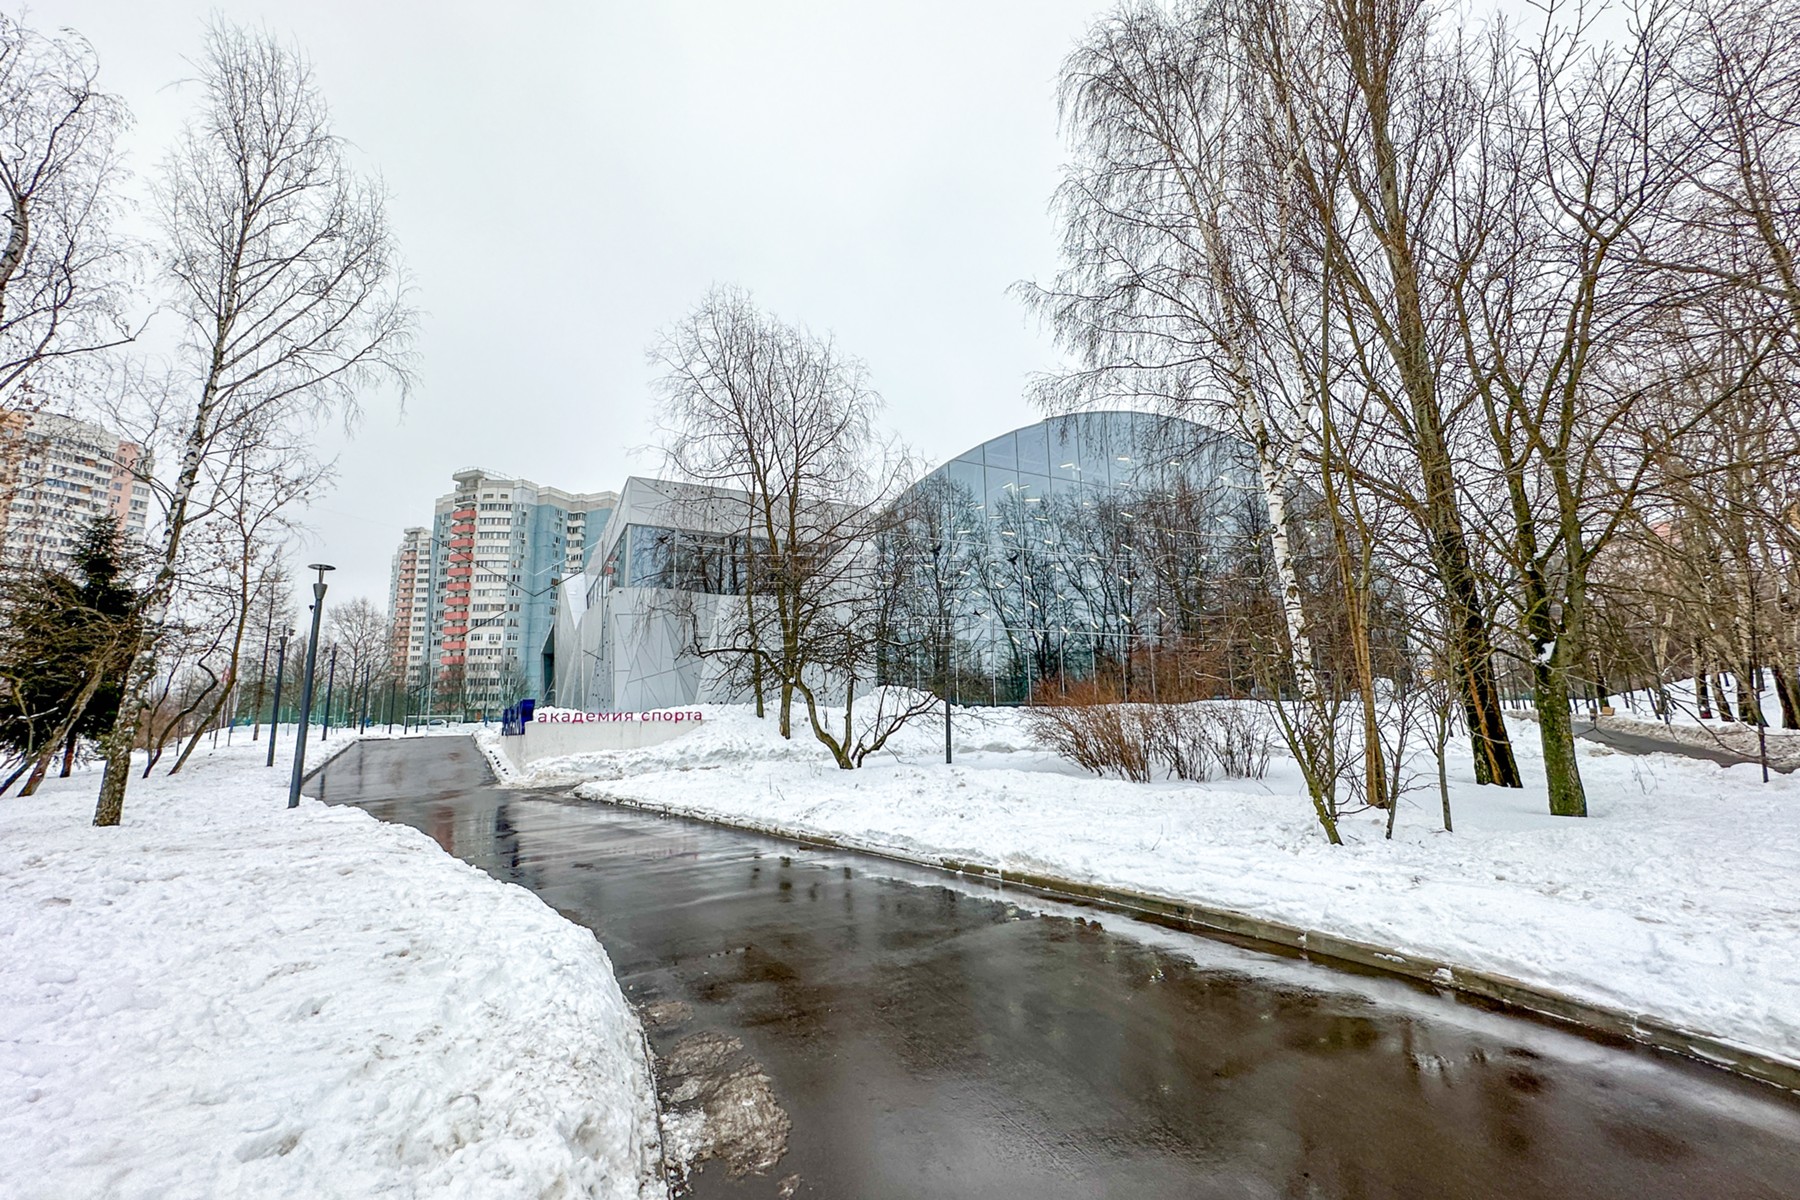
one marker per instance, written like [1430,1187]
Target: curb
[1312,944]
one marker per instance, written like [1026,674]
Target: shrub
[1239,740]
[1090,726]
[1085,725]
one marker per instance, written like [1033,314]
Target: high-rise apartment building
[57,474]
[483,584]
[409,603]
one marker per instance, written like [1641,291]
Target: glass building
[1121,548]
[1073,547]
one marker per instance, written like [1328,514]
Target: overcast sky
[569,177]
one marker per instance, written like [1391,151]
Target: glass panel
[1065,450]
[1095,469]
[1001,452]
[1001,501]
[1034,490]
[1034,450]
[1123,453]
[967,479]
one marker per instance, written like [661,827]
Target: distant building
[481,584]
[57,474]
[1053,535]
[619,642]
[409,602]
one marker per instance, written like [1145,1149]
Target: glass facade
[650,556]
[1071,548]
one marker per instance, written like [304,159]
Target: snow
[1677,898]
[1635,713]
[1684,707]
[223,997]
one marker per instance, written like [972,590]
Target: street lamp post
[306,683]
[275,712]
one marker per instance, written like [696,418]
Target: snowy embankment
[223,997]
[1677,899]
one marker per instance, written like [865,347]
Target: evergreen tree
[63,634]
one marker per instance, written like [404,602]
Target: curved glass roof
[1086,455]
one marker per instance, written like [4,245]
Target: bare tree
[1174,256]
[359,629]
[784,418]
[245,534]
[60,265]
[289,288]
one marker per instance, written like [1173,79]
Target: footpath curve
[1196,916]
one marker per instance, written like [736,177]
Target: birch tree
[289,289]
[1164,292]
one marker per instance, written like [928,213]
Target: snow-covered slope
[223,997]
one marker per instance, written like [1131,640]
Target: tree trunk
[68,763]
[1442,716]
[1410,348]
[1784,692]
[1562,774]
[1555,648]
[24,766]
[1724,701]
[116,748]
[65,730]
[1749,694]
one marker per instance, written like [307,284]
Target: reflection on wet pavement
[925,1036]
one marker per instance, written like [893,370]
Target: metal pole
[306,686]
[330,681]
[275,712]
[945,684]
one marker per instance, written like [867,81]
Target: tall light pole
[306,684]
[275,712]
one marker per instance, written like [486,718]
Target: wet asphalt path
[1637,743]
[930,1037]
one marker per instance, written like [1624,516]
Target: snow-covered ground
[1684,705]
[1678,898]
[223,997]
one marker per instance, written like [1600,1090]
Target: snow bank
[223,997]
[1677,898]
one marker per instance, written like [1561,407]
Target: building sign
[563,716]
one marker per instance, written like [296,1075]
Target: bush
[1096,734]
[1091,727]
[1239,740]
